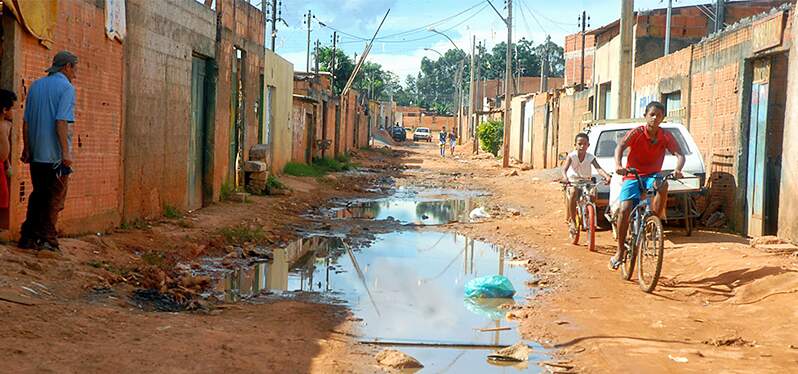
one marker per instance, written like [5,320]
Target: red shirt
[646,154]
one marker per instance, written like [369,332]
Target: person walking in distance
[442,136]
[47,148]
[452,141]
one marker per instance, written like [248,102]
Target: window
[608,140]
[605,91]
[673,102]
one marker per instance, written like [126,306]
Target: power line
[414,30]
[532,13]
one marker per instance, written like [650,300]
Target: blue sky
[401,54]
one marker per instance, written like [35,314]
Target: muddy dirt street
[296,283]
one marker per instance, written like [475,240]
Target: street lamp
[432,50]
[445,36]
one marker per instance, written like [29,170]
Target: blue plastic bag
[494,286]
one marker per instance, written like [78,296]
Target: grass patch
[172,212]
[303,170]
[138,224]
[226,191]
[242,234]
[274,184]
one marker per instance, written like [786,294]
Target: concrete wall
[161,40]
[517,127]
[279,73]
[606,71]
[239,24]
[94,201]
[788,205]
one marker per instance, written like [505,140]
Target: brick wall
[161,40]
[434,123]
[495,87]
[573,58]
[95,194]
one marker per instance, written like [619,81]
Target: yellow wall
[278,73]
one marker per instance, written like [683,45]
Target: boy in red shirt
[647,145]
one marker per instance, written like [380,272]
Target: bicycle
[645,241]
[585,218]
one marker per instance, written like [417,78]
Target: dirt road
[722,306]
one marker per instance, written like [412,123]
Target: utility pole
[471,86]
[332,60]
[625,75]
[720,14]
[507,93]
[544,71]
[584,19]
[307,65]
[316,62]
[274,23]
[668,28]
[477,84]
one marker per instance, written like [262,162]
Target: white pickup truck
[604,139]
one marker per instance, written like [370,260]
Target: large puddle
[408,206]
[407,287]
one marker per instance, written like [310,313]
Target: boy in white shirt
[578,166]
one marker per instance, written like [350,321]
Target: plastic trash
[478,213]
[494,286]
[487,308]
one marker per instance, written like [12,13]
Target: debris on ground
[678,359]
[493,286]
[517,352]
[731,341]
[513,173]
[478,213]
[397,360]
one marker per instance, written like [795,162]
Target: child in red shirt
[647,145]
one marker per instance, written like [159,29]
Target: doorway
[765,126]
[198,162]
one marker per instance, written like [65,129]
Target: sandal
[614,263]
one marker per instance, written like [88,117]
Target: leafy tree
[491,135]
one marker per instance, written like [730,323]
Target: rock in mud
[397,360]
[516,352]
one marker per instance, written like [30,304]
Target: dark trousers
[44,203]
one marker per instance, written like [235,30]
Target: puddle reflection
[415,211]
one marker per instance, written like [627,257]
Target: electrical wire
[358,39]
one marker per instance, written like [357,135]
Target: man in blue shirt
[46,137]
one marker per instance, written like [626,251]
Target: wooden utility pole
[316,62]
[544,66]
[625,73]
[471,86]
[507,94]
[582,61]
[720,14]
[307,65]
[479,91]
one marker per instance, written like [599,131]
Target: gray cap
[62,59]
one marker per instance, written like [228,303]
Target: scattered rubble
[397,360]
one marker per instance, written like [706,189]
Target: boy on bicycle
[647,145]
[578,166]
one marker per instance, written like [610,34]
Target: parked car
[398,134]
[604,139]
[422,133]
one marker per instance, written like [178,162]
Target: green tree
[490,135]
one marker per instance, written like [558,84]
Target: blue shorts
[631,190]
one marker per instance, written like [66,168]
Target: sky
[459,19]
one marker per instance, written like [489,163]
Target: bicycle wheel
[651,250]
[574,234]
[590,224]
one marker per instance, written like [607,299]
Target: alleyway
[84,311]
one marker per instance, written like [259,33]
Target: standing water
[408,288]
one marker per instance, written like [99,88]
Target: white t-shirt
[580,170]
